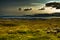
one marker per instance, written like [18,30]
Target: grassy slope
[16,29]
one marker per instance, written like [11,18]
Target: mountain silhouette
[35,15]
[44,15]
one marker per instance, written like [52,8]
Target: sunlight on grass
[38,29]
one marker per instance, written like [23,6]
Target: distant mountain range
[44,15]
[37,15]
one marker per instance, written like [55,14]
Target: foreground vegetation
[39,29]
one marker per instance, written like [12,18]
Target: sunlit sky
[10,7]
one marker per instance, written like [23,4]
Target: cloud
[9,7]
[53,4]
[51,7]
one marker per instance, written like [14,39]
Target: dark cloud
[20,2]
[14,3]
[53,4]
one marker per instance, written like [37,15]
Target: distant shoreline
[31,17]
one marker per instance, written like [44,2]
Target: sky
[10,7]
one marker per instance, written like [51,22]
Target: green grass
[18,29]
